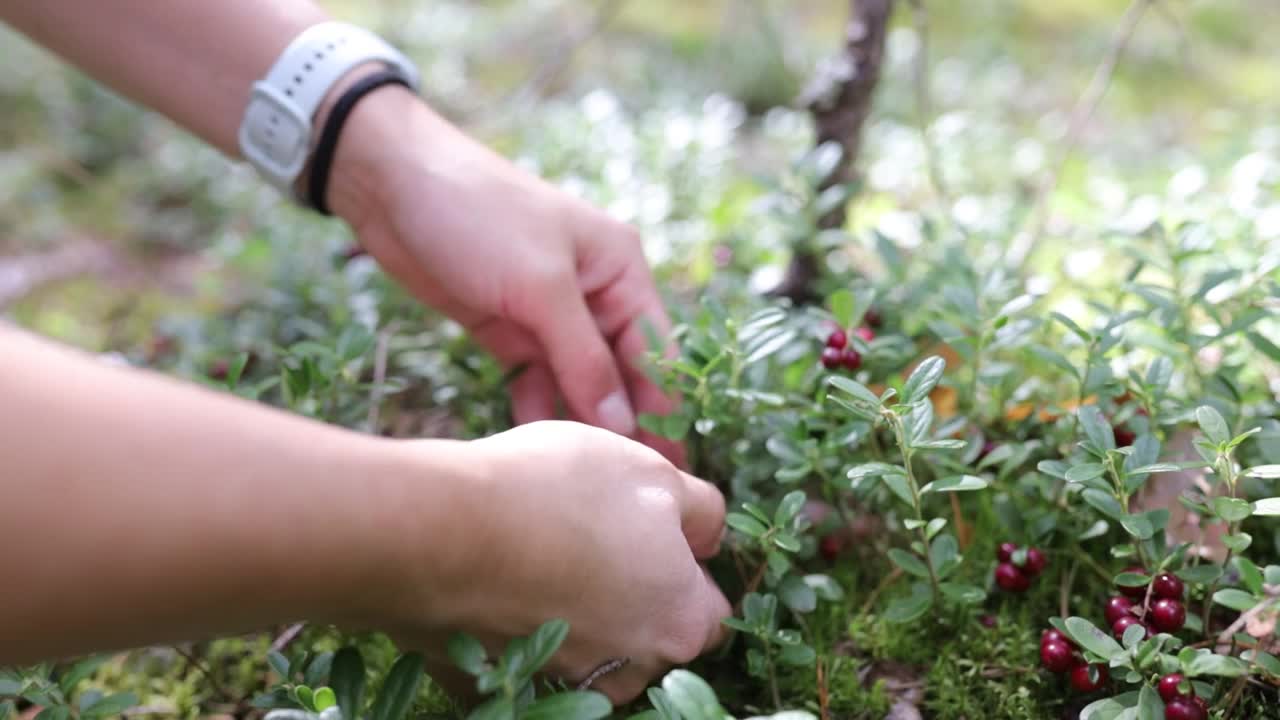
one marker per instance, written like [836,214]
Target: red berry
[1124,436]
[850,359]
[1035,562]
[1053,635]
[1167,585]
[837,339]
[1184,709]
[219,369]
[1201,703]
[1011,579]
[1168,615]
[1139,592]
[1057,657]
[1005,552]
[830,358]
[988,447]
[1081,681]
[1168,687]
[872,318]
[988,621]
[1118,607]
[1119,626]
[830,547]
[866,333]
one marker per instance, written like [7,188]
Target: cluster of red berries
[839,353]
[1059,655]
[1179,705]
[1014,576]
[1160,611]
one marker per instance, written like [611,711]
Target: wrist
[374,139]
[415,512]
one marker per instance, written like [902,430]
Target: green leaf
[1231,509]
[875,469]
[1072,326]
[661,702]
[745,524]
[1212,425]
[956,483]
[897,482]
[1266,661]
[1150,707]
[1160,372]
[1238,542]
[1054,357]
[1269,507]
[1053,468]
[1200,574]
[769,343]
[842,306]
[306,697]
[1210,663]
[279,663]
[1155,468]
[1103,503]
[934,526]
[1096,428]
[499,708]
[793,474]
[347,678]
[854,389]
[109,705]
[325,699]
[1130,640]
[909,563]
[58,712]
[796,594]
[465,651]
[1138,526]
[1272,574]
[825,587]
[923,379]
[787,541]
[1235,599]
[1120,707]
[1132,579]
[963,594]
[72,676]
[1091,638]
[1086,471]
[1265,346]
[575,705]
[910,608]
[797,655]
[1266,472]
[944,553]
[789,507]
[1250,575]
[399,689]
[692,696]
[941,445]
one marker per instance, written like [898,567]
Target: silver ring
[604,669]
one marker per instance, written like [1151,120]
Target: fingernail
[616,415]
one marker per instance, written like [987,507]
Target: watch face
[276,134]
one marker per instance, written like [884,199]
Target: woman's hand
[537,276]
[566,521]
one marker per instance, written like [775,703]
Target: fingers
[718,609]
[701,516]
[533,395]
[582,362]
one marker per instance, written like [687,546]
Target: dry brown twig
[1026,240]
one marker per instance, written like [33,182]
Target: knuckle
[684,641]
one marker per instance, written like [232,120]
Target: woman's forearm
[135,509]
[193,60]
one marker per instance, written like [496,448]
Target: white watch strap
[275,134]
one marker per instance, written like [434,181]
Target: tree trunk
[839,99]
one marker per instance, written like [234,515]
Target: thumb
[583,364]
[701,516]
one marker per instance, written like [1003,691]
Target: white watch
[275,134]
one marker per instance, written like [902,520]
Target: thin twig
[204,669]
[924,100]
[875,594]
[1064,596]
[1083,111]
[559,60]
[824,701]
[380,373]
[290,634]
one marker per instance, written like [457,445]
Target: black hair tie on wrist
[328,145]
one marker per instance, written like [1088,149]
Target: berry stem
[1226,467]
[900,433]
